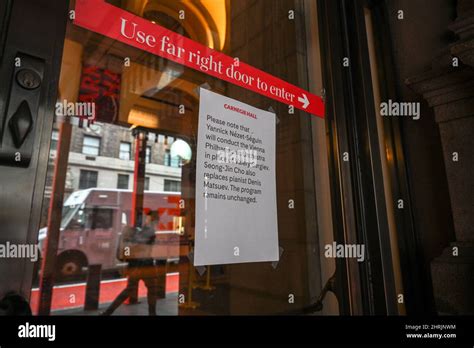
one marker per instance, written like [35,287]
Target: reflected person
[142,265]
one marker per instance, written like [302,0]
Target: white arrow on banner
[304,101]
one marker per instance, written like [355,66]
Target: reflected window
[54,139]
[167,159]
[87,179]
[161,139]
[91,146]
[122,181]
[78,221]
[171,161]
[69,212]
[100,218]
[125,151]
[147,183]
[172,186]
[148,154]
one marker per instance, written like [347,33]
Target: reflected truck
[93,220]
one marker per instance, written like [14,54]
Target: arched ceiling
[206,21]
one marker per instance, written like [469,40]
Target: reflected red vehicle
[93,220]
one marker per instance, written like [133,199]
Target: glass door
[123,155]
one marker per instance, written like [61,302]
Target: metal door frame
[36,28]
[357,191]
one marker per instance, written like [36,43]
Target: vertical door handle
[18,123]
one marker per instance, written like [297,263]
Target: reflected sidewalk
[164,307]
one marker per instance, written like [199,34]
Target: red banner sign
[115,23]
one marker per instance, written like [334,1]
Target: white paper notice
[236,211]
